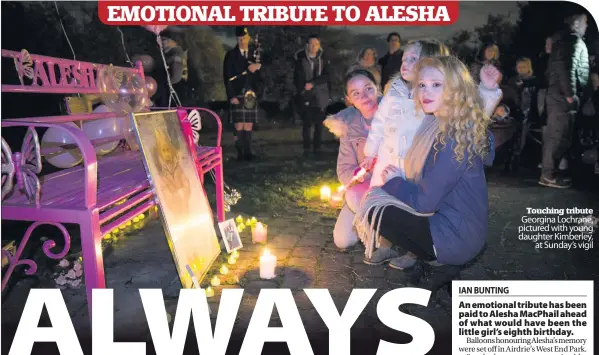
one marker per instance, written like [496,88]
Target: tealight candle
[224,270]
[215,281]
[209,292]
[336,200]
[253,221]
[239,219]
[232,260]
[259,233]
[268,263]
[341,189]
[325,193]
[248,222]
[235,254]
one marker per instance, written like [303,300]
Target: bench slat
[117,176]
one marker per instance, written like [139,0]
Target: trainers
[381,256]
[563,164]
[403,262]
[557,183]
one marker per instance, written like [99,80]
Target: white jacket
[395,124]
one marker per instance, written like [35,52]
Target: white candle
[268,263]
[259,233]
[209,292]
[215,281]
[325,193]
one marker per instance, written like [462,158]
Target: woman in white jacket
[396,121]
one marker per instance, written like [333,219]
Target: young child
[396,122]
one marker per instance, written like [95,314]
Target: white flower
[77,267]
[71,274]
[64,263]
[61,280]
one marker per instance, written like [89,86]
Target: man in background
[240,78]
[176,60]
[568,73]
[311,79]
[391,62]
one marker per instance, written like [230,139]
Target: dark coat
[315,71]
[390,65]
[568,67]
[233,66]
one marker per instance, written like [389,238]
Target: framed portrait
[184,209]
[230,234]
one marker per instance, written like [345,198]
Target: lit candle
[268,263]
[224,270]
[235,254]
[341,189]
[239,219]
[248,222]
[232,260]
[325,193]
[253,221]
[209,292]
[336,200]
[215,281]
[259,233]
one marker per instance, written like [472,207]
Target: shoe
[558,183]
[433,276]
[403,262]
[381,256]
[597,168]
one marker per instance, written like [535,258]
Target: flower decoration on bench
[25,164]
[195,120]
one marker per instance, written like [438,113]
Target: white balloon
[104,128]
[55,137]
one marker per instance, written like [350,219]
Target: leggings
[409,232]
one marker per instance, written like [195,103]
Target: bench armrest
[90,162]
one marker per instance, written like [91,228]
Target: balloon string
[124,47]
[64,31]
[173,93]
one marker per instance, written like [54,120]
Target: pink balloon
[151,86]
[155,29]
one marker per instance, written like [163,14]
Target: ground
[281,190]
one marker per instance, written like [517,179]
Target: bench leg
[93,260]
[220,191]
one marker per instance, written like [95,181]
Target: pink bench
[99,194]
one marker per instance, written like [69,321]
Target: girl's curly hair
[461,117]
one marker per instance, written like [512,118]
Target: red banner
[269,13]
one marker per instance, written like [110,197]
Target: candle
[248,222]
[232,260]
[259,233]
[209,292]
[336,200]
[325,193]
[341,189]
[253,221]
[235,254]
[215,281]
[268,262]
[239,219]
[224,270]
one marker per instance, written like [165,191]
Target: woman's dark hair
[357,72]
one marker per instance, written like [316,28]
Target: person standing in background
[311,78]
[239,74]
[176,61]
[568,72]
[391,62]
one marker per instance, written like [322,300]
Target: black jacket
[390,65]
[233,66]
[315,71]
[568,67]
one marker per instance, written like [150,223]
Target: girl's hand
[367,163]
[490,76]
[390,172]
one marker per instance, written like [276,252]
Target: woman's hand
[490,76]
[367,163]
[390,172]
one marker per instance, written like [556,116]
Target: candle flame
[266,251]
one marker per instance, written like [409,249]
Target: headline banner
[265,13]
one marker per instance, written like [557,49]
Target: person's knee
[344,238]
